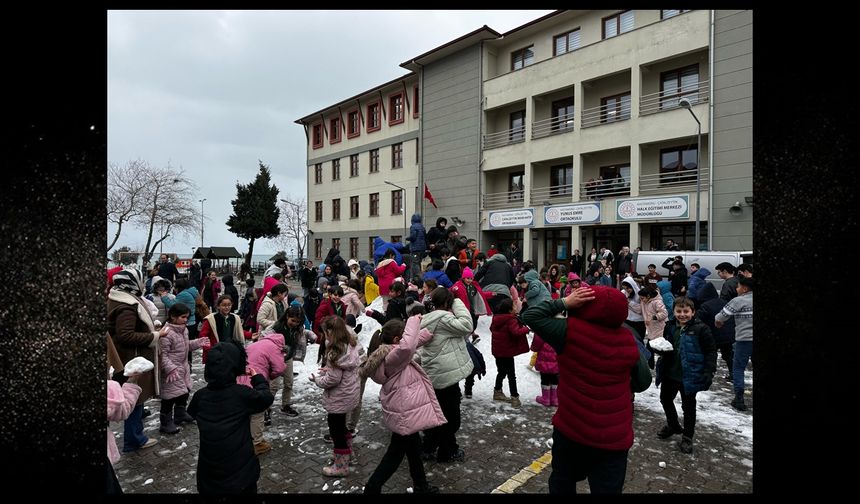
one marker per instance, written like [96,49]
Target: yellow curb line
[527,473]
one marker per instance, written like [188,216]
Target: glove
[369,312]
[172,376]
[205,343]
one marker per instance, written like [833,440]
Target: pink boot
[553,395]
[339,466]
[544,398]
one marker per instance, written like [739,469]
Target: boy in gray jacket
[741,308]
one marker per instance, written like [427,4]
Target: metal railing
[657,102]
[544,193]
[552,126]
[671,181]
[506,137]
[510,199]
[604,114]
[599,189]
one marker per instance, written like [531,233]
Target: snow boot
[515,401]
[181,416]
[167,425]
[553,395]
[738,402]
[544,398]
[339,467]
[498,395]
[686,445]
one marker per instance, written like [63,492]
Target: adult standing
[576,261]
[730,282]
[308,277]
[624,264]
[277,267]
[435,236]
[515,256]
[132,329]
[417,244]
[166,269]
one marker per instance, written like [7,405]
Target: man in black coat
[308,277]
[435,235]
[167,270]
[576,261]
[709,305]
[226,462]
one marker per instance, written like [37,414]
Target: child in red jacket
[509,340]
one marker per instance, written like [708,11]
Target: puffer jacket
[697,350]
[634,306]
[188,297]
[408,400]
[340,382]
[120,403]
[266,357]
[695,283]
[173,351]
[547,359]
[651,310]
[387,271]
[537,291]
[495,270]
[439,277]
[668,299]
[445,358]
[509,336]
[417,235]
[371,290]
[352,301]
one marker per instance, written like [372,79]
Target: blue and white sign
[512,218]
[666,207]
[572,214]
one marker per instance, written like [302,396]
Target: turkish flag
[429,196]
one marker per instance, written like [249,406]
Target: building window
[667,13]
[335,209]
[615,108]
[562,114]
[397,156]
[561,180]
[518,126]
[318,211]
[353,165]
[353,124]
[396,238]
[619,23]
[353,207]
[565,42]
[374,204]
[677,84]
[371,248]
[396,112]
[318,135]
[353,248]
[335,243]
[396,202]
[516,186]
[334,131]
[318,173]
[522,58]
[615,180]
[335,169]
[415,101]
[678,165]
[374,160]
[373,121]
[318,248]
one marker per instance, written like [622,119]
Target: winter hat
[352,262]
[451,229]
[467,273]
[573,277]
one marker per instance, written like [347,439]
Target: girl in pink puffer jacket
[339,379]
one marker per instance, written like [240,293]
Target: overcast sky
[214,91]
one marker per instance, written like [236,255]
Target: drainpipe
[711,134]
[480,147]
[421,91]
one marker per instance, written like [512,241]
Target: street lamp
[201,221]
[685,103]
[403,202]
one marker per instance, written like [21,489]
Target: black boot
[180,416]
[167,424]
[425,488]
[738,402]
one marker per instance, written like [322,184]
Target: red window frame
[334,130]
[349,132]
[393,108]
[317,135]
[371,115]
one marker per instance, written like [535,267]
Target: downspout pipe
[711,133]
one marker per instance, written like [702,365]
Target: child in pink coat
[409,403]
[121,400]
[173,350]
[547,365]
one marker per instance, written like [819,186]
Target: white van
[705,259]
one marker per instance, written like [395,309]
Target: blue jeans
[743,352]
[133,436]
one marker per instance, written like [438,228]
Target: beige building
[569,132]
[354,147]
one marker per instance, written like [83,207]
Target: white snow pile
[138,365]
[661,344]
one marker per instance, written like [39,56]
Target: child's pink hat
[467,273]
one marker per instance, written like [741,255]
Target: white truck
[705,259]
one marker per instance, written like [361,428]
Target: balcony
[552,126]
[505,137]
[670,181]
[510,199]
[561,193]
[604,114]
[599,189]
[668,100]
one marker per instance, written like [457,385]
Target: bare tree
[294,225]
[168,207]
[125,194]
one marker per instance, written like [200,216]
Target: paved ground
[498,440]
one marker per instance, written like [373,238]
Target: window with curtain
[522,58]
[561,180]
[516,186]
[677,84]
[566,42]
[562,114]
[518,126]
[617,24]
[615,108]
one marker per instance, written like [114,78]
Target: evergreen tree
[255,211]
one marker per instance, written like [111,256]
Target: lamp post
[201,221]
[685,103]
[405,225]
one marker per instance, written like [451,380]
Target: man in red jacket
[597,357]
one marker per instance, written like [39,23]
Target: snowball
[662,464]
[138,365]
[661,344]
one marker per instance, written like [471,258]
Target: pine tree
[255,211]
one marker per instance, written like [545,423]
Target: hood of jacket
[632,283]
[227,280]
[224,363]
[608,309]
[429,320]
[664,286]
[439,222]
[531,275]
[416,218]
[368,367]
[498,257]
[349,360]
[701,273]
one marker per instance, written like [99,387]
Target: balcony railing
[600,189]
[609,113]
[552,126]
[667,100]
[670,181]
[510,199]
[564,192]
[506,137]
